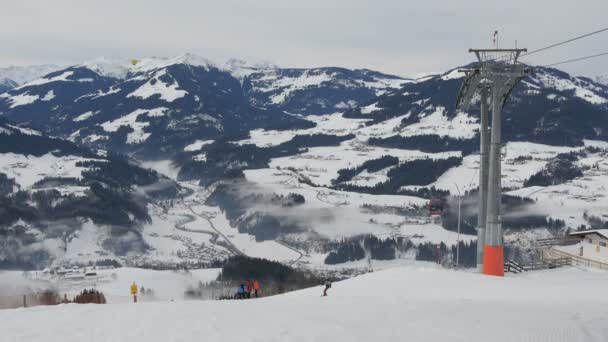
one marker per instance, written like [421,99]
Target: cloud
[400,37]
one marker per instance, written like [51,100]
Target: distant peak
[24,74]
[153,63]
[112,67]
[120,67]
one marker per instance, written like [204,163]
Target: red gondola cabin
[435,207]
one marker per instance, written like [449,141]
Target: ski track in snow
[420,303]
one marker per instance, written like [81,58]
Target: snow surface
[573,84]
[420,303]
[22,99]
[154,63]
[338,214]
[569,201]
[59,78]
[197,145]
[24,130]
[453,75]
[138,135]
[27,170]
[596,143]
[370,108]
[287,85]
[382,85]
[112,67]
[275,80]
[114,282]
[155,86]
[184,230]
[49,96]
[24,74]
[515,172]
[86,243]
[85,116]
[165,167]
[461,126]
[213,219]
[434,121]
[370,179]
[101,93]
[333,124]
[322,164]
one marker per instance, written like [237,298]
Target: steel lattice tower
[496,75]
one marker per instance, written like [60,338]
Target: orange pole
[493,261]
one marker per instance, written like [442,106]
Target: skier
[327,287]
[249,288]
[241,292]
[256,287]
[134,292]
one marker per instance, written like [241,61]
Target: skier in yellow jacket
[134,292]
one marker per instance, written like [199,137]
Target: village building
[593,244]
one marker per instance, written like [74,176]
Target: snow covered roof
[601,232]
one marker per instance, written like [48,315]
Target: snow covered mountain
[408,146]
[6,84]
[13,76]
[317,91]
[159,105]
[162,105]
[24,74]
[267,177]
[549,107]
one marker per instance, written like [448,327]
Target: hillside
[159,106]
[328,184]
[417,303]
[58,199]
[413,143]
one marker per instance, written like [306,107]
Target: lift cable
[558,44]
[564,42]
[577,59]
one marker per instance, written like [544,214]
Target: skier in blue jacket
[241,292]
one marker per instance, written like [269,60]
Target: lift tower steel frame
[498,73]
[474,84]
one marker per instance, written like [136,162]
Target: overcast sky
[403,37]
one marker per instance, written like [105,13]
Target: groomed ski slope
[418,303]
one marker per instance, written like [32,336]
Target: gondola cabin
[435,207]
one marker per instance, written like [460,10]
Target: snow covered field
[417,303]
[321,164]
[339,214]
[27,170]
[515,170]
[114,283]
[571,200]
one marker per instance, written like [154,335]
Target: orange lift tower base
[493,261]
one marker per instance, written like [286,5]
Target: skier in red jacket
[256,287]
[249,288]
